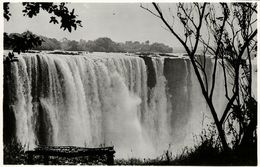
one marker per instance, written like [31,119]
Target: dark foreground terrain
[203,154]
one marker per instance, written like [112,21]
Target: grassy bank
[206,151]
[204,154]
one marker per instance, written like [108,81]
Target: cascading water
[139,105]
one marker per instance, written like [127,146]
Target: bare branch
[225,77]
[169,27]
[147,9]
[228,107]
[225,12]
[188,15]
[198,29]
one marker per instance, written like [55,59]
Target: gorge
[141,105]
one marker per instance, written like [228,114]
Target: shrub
[14,153]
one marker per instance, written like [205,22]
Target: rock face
[139,105]
[151,76]
[178,75]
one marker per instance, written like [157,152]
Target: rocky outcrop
[177,74]
[151,79]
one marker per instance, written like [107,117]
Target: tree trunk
[218,124]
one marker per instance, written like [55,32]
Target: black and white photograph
[130,83]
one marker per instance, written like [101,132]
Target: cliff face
[139,104]
[151,76]
[178,75]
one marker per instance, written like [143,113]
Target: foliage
[105,44]
[79,160]
[236,47]
[230,33]
[14,153]
[136,46]
[22,42]
[68,20]
[99,45]
[25,41]
[207,151]
[7,14]
[49,44]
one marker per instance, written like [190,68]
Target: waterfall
[140,105]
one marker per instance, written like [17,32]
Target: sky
[119,21]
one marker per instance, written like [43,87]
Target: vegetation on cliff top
[103,44]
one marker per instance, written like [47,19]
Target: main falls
[140,105]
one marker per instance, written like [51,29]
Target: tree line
[103,44]
[234,33]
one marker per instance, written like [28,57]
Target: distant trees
[105,45]
[99,45]
[21,42]
[68,21]
[48,44]
[159,47]
[230,36]
[136,46]
[28,40]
